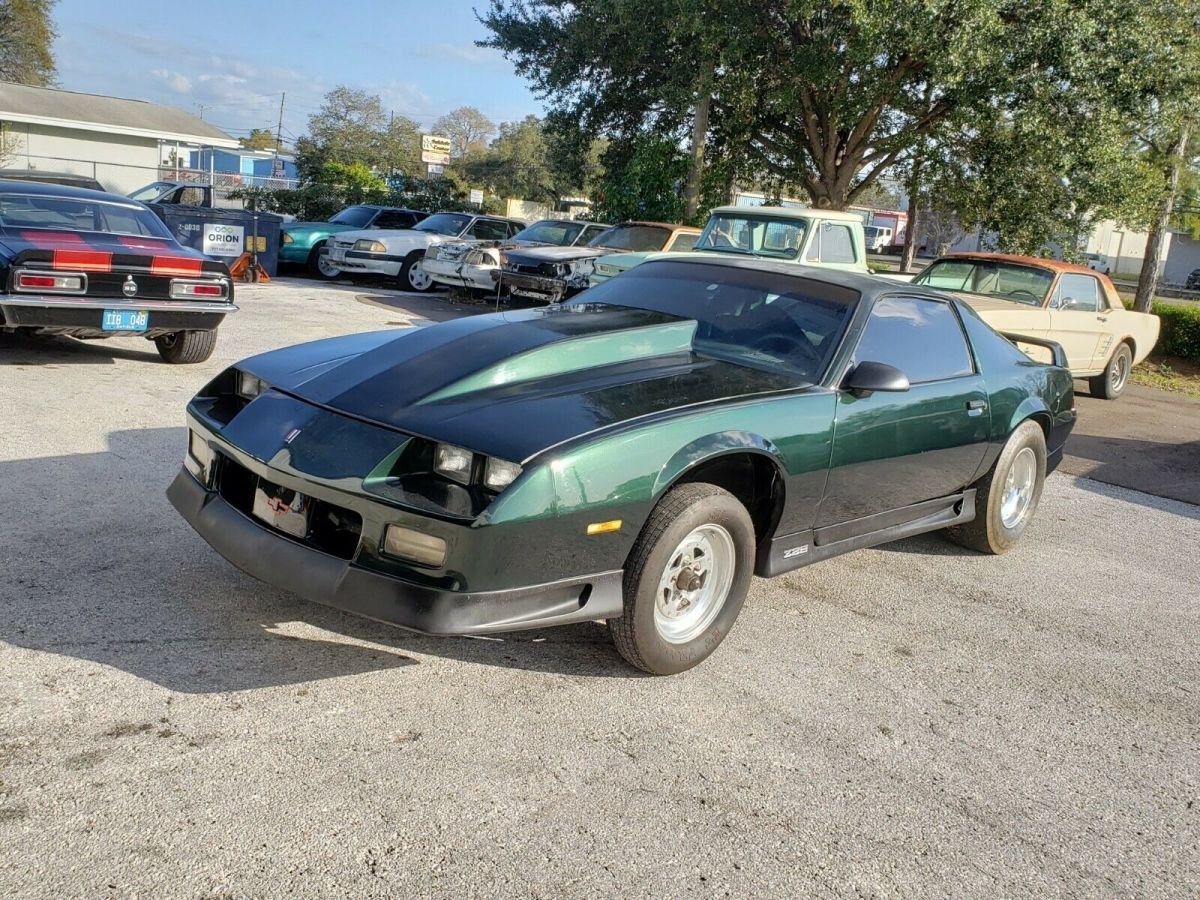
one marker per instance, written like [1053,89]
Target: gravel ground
[913,720]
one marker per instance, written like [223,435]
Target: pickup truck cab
[811,237]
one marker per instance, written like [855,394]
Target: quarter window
[683,241]
[832,243]
[921,338]
[393,219]
[1077,292]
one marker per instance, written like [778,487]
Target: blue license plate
[125,320]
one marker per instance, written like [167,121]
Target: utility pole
[279,127]
[202,107]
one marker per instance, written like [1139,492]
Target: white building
[123,144]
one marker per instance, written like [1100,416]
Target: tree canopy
[259,139]
[353,127]
[467,128]
[27,42]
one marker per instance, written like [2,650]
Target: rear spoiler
[1056,351]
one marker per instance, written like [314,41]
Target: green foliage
[527,160]
[317,201]
[259,139]
[352,127]
[1180,334]
[467,128]
[643,179]
[356,179]
[27,42]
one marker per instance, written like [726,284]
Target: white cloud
[176,81]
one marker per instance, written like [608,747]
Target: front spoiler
[284,563]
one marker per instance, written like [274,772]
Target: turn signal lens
[199,457]
[453,462]
[370,246]
[250,386]
[498,474]
[414,546]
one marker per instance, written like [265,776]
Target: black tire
[313,263]
[1110,383]
[185,347]
[989,532]
[683,510]
[406,274]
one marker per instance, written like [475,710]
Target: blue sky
[420,57]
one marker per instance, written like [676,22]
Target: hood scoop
[576,354]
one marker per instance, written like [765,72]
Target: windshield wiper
[725,250]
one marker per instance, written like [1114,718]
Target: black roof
[41,189]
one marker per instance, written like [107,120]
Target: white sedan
[398,254]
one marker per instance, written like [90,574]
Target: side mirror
[867,377]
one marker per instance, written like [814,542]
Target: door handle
[1101,318]
[976,407]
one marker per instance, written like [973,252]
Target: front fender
[713,446]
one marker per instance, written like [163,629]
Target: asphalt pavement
[910,721]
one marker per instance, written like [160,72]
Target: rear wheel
[686,579]
[1007,497]
[186,346]
[413,276]
[318,263]
[1109,384]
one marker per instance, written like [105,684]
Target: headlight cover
[288,239]
[250,386]
[499,474]
[453,462]
[370,246]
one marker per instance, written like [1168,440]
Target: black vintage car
[634,455]
[88,264]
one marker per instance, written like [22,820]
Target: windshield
[561,233]
[748,316]
[636,238]
[68,214]
[150,191]
[444,223]
[755,235]
[990,278]
[354,216]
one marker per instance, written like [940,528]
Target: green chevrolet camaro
[633,455]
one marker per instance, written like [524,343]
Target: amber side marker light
[604,527]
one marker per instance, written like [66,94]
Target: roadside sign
[435,169]
[435,143]
[223,240]
[477,197]
[436,157]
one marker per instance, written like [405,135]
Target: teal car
[303,243]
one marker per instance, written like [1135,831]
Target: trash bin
[224,234]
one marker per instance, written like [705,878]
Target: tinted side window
[590,232]
[514,228]
[489,230]
[921,338]
[391,218]
[1078,292]
[832,244]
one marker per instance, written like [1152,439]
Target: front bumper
[539,287]
[81,316]
[459,274]
[270,556]
[361,262]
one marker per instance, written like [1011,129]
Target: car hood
[514,384]
[538,255]
[403,237]
[330,227]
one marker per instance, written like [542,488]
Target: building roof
[109,115]
[1054,265]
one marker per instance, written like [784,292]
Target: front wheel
[686,579]
[318,264]
[413,276]
[1111,382]
[183,347]
[1007,497]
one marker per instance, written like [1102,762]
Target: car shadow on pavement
[97,566]
[1162,470]
[51,350]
